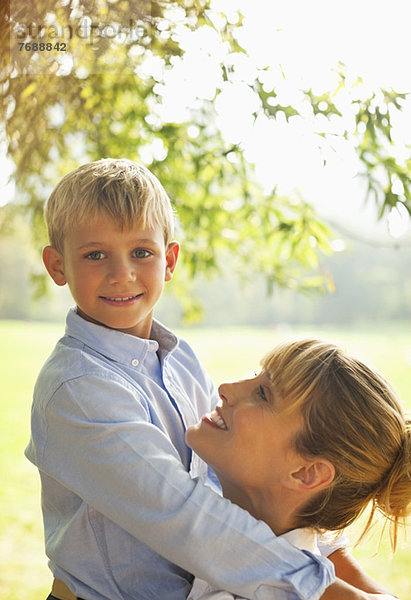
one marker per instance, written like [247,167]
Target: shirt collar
[107,341]
[304,538]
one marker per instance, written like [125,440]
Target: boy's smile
[115,276]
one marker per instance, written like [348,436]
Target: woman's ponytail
[393,496]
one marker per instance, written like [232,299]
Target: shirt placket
[197,467]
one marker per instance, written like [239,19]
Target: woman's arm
[340,590]
[350,571]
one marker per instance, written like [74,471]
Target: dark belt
[60,591]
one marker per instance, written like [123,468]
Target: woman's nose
[226,392]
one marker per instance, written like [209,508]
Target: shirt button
[134,362]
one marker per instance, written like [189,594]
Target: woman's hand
[381,597]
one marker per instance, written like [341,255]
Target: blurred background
[282,134]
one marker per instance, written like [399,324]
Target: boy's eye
[95,255]
[141,253]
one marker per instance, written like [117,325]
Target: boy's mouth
[120,299]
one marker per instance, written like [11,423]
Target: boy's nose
[121,271]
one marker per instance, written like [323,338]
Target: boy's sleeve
[101,445]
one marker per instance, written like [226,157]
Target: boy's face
[115,277]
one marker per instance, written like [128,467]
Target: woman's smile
[215,419]
[257,443]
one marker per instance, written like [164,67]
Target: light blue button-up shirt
[123,518]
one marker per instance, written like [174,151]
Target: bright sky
[371,37]
[304,40]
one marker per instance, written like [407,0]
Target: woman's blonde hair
[118,188]
[352,418]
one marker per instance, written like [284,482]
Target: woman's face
[248,438]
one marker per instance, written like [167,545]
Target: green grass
[227,354]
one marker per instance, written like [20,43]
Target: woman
[307,445]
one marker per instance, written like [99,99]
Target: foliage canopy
[105,94]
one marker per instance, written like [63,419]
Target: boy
[123,518]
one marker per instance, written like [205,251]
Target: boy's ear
[54,263]
[313,476]
[172,252]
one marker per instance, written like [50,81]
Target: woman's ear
[313,476]
[172,252]
[54,263]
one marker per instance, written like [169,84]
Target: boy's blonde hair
[352,418]
[118,188]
